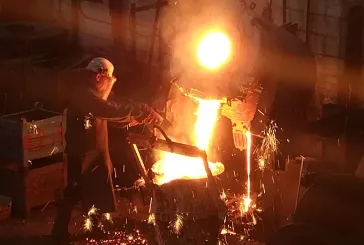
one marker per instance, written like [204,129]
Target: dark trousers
[71,195]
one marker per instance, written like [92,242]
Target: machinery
[259,71]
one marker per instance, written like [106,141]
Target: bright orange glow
[173,166]
[213,50]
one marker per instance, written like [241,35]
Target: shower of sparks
[178,224]
[238,227]
[235,233]
[92,211]
[242,209]
[261,163]
[121,238]
[268,146]
[87,224]
[236,207]
[245,205]
[151,219]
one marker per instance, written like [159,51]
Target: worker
[89,168]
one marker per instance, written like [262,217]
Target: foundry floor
[36,229]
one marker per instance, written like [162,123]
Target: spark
[178,224]
[151,219]
[225,231]
[87,224]
[254,219]
[150,204]
[261,163]
[245,205]
[268,146]
[223,195]
[92,211]
[108,217]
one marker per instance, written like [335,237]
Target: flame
[213,50]
[173,166]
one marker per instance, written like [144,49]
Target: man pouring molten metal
[89,172]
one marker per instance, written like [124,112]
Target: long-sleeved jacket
[87,143]
[84,109]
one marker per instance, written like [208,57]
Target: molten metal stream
[248,152]
[247,199]
[206,119]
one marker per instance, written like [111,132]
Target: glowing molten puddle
[173,166]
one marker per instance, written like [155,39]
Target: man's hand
[151,117]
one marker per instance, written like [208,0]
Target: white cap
[101,65]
